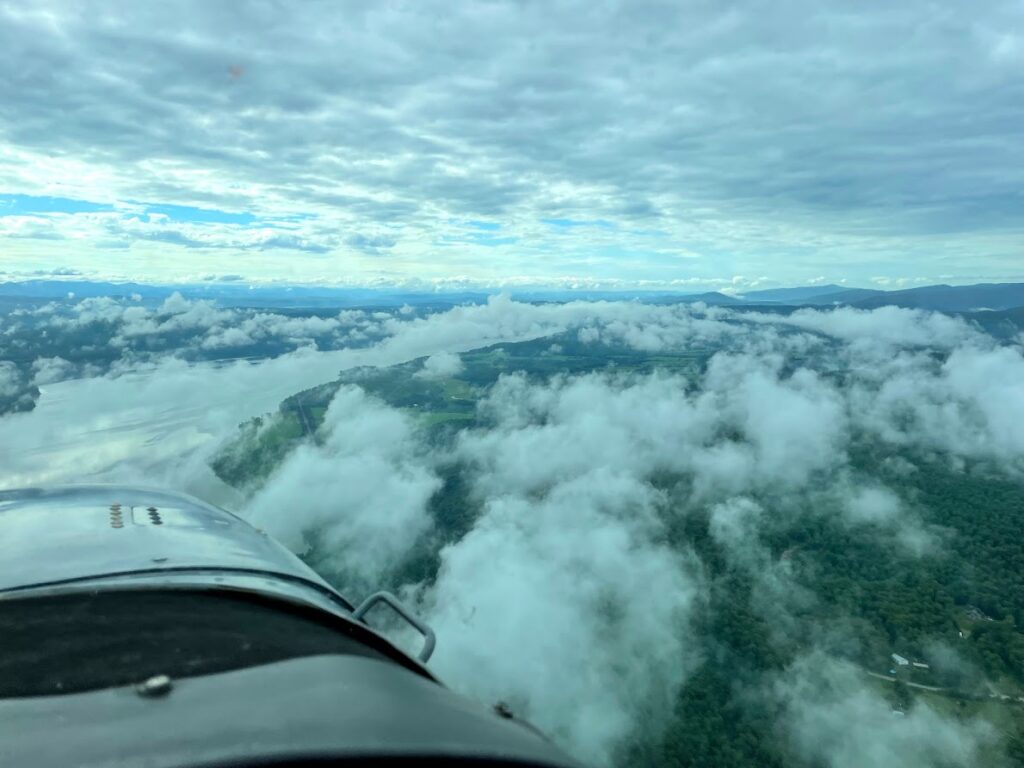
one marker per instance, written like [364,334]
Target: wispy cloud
[820,140]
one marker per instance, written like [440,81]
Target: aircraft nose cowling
[75,534]
[126,610]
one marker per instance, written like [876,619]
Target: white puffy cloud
[883,328]
[834,718]
[220,338]
[568,608]
[872,505]
[968,404]
[47,370]
[10,379]
[361,491]
[747,428]
[735,523]
[441,365]
[175,314]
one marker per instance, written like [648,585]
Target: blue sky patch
[487,226]
[21,205]
[16,204]
[482,238]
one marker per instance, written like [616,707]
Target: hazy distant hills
[942,298]
[792,295]
[844,296]
[230,294]
[713,298]
[948,298]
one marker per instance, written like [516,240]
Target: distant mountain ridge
[844,296]
[233,294]
[787,295]
[952,298]
[941,298]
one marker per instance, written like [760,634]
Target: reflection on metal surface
[429,639]
[268,584]
[196,616]
[83,532]
[98,538]
[158,685]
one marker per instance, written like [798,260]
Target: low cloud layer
[565,572]
[834,719]
[365,488]
[571,595]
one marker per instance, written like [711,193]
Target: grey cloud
[57,272]
[828,117]
[47,370]
[171,236]
[130,229]
[371,244]
[17,394]
[293,242]
[10,379]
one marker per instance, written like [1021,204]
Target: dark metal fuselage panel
[321,707]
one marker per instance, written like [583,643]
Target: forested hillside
[946,596]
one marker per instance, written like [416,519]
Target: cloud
[885,327]
[294,243]
[199,328]
[372,245]
[569,594]
[833,717]
[823,135]
[171,415]
[568,534]
[965,405]
[171,236]
[736,523]
[442,365]
[873,505]
[745,430]
[56,272]
[10,379]
[48,370]
[544,599]
[361,491]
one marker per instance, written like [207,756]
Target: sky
[685,145]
